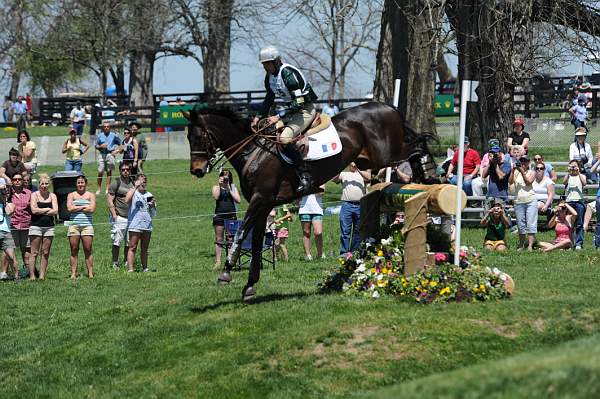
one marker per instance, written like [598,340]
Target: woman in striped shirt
[82,204]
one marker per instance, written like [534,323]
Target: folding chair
[231,228]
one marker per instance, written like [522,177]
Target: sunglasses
[537,159]
[125,169]
[539,168]
[16,179]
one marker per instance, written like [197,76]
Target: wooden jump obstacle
[417,201]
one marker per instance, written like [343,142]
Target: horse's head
[202,144]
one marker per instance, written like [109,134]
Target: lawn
[175,333]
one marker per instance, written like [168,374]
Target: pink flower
[441,257]
[349,255]
[463,254]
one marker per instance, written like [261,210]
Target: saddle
[320,123]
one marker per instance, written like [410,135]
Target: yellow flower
[380,253]
[373,270]
[433,283]
[444,291]
[481,287]
[385,271]
[382,283]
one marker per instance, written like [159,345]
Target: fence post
[154,114]
[594,104]
[526,110]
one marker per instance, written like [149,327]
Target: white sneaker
[97,192]
[323,256]
[308,258]
[578,248]
[3,276]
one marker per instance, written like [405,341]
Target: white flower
[361,268]
[375,294]
[386,241]
[496,271]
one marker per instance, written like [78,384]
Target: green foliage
[175,333]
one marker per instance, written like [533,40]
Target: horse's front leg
[258,236]
[234,251]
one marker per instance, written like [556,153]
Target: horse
[373,135]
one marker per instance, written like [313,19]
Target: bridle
[215,155]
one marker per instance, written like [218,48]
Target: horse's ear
[187,115]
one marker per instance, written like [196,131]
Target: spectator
[162,102]
[562,221]
[44,207]
[579,112]
[78,118]
[7,243]
[118,209]
[574,183]
[12,166]
[29,104]
[470,167]
[519,136]
[142,209]
[311,215]
[401,173]
[525,203]
[498,170]
[330,108]
[549,169]
[517,151]
[130,149]
[582,152]
[28,184]
[590,208]
[107,145]
[353,189]
[81,204]
[283,217]
[481,181]
[142,145]
[20,112]
[74,148]
[226,196]
[543,187]
[496,223]
[26,150]
[21,217]
[7,109]
[443,169]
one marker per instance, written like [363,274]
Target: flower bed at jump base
[376,269]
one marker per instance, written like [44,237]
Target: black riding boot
[305,178]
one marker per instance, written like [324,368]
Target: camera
[3,191]
[518,164]
[572,167]
[150,199]
[584,160]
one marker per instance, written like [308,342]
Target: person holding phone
[142,209]
[226,197]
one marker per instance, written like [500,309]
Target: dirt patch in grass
[504,331]
[539,325]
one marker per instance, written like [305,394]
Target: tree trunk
[15,80]
[118,75]
[141,72]
[407,50]
[484,54]
[217,60]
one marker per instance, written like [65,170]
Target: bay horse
[373,135]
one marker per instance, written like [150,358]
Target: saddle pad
[323,144]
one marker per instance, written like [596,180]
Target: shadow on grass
[255,301]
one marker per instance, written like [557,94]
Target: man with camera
[7,244]
[119,210]
[499,172]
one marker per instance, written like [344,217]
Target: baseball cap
[466,139]
[495,148]
[580,132]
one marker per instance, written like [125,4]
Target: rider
[287,82]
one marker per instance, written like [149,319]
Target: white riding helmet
[269,53]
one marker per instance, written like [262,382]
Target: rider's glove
[281,113]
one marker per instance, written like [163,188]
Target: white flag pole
[466,94]
[388,170]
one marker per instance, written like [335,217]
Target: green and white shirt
[288,84]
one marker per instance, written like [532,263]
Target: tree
[339,31]
[409,48]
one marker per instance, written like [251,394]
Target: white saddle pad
[323,144]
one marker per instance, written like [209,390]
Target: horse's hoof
[224,278]
[248,294]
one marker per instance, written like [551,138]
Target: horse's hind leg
[258,236]
[234,251]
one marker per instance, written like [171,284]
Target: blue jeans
[466,184]
[349,220]
[578,228]
[78,126]
[73,165]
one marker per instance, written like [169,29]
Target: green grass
[175,333]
